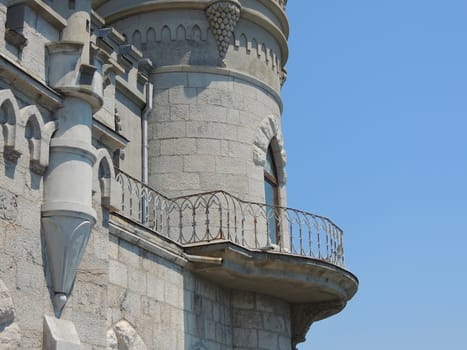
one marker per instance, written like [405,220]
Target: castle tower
[143,181]
[218,70]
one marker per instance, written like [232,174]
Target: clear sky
[375,124]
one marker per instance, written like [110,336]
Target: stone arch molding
[169,32]
[26,124]
[104,180]
[10,335]
[123,336]
[269,133]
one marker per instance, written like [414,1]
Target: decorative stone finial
[223,16]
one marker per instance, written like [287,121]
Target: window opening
[271,194]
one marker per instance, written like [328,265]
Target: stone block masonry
[207,133]
[173,309]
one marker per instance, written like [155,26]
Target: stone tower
[143,201]
[218,69]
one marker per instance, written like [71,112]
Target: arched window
[271,195]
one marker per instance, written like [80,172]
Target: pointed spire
[223,16]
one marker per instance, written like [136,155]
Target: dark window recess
[86,74]
[14,26]
[271,195]
[72,4]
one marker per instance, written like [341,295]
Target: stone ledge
[222,71]
[44,10]
[30,85]
[293,278]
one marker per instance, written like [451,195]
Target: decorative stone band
[223,16]
[76,147]
[223,71]
[278,28]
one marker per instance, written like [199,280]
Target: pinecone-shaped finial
[223,16]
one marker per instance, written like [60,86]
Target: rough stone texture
[259,321]
[177,302]
[7,309]
[10,335]
[206,140]
[124,337]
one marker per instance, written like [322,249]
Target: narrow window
[72,4]
[14,26]
[271,194]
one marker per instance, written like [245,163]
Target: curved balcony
[219,216]
[227,241]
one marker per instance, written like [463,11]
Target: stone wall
[171,308]
[260,322]
[203,128]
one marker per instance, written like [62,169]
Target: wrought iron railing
[218,215]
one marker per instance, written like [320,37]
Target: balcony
[219,216]
[227,240]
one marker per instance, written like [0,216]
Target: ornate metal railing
[218,215]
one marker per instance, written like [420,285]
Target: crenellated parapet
[207,34]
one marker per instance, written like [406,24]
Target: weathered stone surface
[124,337]
[7,309]
[112,342]
[10,337]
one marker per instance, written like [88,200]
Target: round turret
[218,69]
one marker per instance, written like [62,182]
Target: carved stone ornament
[270,129]
[8,206]
[122,336]
[303,315]
[223,16]
[66,237]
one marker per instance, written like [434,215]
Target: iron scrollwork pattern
[218,215]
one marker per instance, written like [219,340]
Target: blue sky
[375,124]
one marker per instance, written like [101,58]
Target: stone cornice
[30,85]
[279,12]
[138,98]
[141,237]
[45,11]
[223,71]
[280,34]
